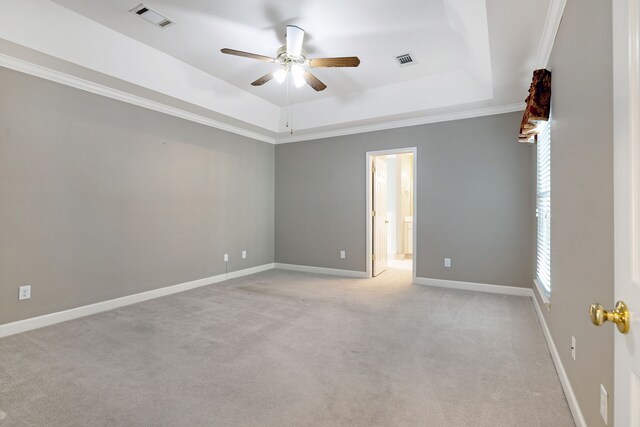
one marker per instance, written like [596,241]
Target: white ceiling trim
[51,29]
[436,118]
[551,26]
[78,83]
[454,89]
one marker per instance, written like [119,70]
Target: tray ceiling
[469,54]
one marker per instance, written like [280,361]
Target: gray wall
[101,199]
[582,199]
[475,200]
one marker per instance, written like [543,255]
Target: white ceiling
[376,31]
[469,53]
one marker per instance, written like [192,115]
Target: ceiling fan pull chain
[290,116]
[289,122]
[288,105]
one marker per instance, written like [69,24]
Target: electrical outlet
[573,347]
[244,254]
[343,254]
[24,292]
[603,403]
[447,262]
[226,257]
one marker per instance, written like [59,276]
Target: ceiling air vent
[152,16]
[405,59]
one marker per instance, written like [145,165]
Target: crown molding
[551,26]
[78,83]
[86,85]
[433,118]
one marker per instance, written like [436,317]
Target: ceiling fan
[293,59]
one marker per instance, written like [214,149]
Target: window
[543,208]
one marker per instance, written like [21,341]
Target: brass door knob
[619,315]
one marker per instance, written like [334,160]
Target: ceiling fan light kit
[298,75]
[280,75]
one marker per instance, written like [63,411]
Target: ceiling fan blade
[262,80]
[247,55]
[314,82]
[348,61]
[295,36]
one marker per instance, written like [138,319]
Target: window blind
[543,206]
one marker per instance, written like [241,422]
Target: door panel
[380,215]
[626,36]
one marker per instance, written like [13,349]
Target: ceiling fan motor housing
[286,60]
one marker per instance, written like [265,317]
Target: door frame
[369,190]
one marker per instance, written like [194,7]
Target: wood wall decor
[538,106]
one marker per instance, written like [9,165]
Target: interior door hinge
[373,169]
[373,257]
[373,213]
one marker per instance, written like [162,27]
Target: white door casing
[379,215]
[626,77]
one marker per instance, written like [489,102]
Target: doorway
[391,211]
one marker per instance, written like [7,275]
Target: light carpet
[290,349]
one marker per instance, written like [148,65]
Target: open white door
[379,215]
[626,77]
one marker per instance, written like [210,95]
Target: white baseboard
[562,374]
[248,271]
[322,270]
[471,286]
[74,313]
